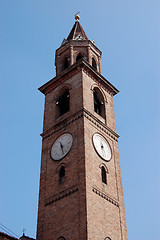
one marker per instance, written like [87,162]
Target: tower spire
[77,31]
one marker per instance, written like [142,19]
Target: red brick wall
[82,207]
[4,236]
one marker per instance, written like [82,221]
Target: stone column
[71,55]
[58,65]
[99,63]
[89,58]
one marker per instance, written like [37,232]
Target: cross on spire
[77,17]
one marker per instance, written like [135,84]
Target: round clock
[61,146]
[102,147]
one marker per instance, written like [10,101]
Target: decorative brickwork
[61,195]
[103,195]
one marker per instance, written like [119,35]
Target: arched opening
[104,175]
[79,56]
[99,106]
[61,238]
[62,174]
[94,64]
[62,104]
[65,63]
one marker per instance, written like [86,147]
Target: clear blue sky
[128,34]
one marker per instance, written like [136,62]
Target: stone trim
[100,125]
[75,117]
[98,82]
[59,79]
[106,197]
[87,68]
[101,89]
[61,195]
[105,167]
[62,124]
[60,165]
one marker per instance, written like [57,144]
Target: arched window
[62,174]
[65,63]
[79,56]
[61,238]
[99,106]
[104,175]
[104,172]
[94,64]
[62,104]
[107,238]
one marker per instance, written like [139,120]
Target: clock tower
[80,196]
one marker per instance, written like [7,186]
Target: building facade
[81,195]
[5,236]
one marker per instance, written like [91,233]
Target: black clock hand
[102,148]
[101,145]
[61,147]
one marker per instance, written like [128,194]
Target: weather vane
[77,17]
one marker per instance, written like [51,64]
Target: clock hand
[101,145]
[61,147]
[103,151]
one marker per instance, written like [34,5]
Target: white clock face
[61,146]
[102,147]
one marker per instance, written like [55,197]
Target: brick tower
[80,194]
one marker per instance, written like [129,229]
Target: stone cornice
[76,43]
[81,64]
[100,124]
[74,117]
[95,75]
[105,196]
[61,195]
[94,46]
[64,123]
[50,85]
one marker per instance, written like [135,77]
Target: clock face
[61,146]
[102,147]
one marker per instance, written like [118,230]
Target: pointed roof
[77,32]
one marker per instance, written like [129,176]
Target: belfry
[81,195]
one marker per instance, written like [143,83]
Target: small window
[104,175]
[65,63]
[94,63]
[79,56]
[62,174]
[62,104]
[99,107]
[107,238]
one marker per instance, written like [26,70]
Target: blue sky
[128,34]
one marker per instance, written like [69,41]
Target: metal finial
[24,231]
[77,17]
